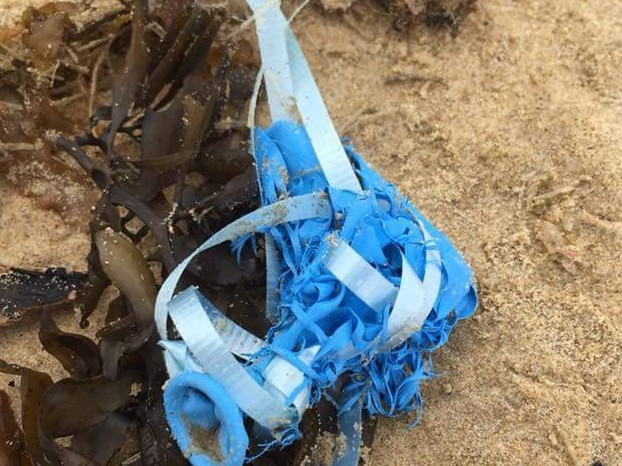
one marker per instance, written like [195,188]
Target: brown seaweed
[32,387]
[169,158]
[367,437]
[126,86]
[22,291]
[11,436]
[433,13]
[78,354]
[71,406]
[126,268]
[88,443]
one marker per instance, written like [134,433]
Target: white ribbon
[289,82]
[209,339]
[206,345]
[358,275]
[212,339]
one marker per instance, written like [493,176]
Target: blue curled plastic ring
[196,405]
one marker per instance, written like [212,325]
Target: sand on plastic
[509,138]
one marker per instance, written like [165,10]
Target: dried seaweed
[88,443]
[45,74]
[79,407]
[78,354]
[433,13]
[70,406]
[32,387]
[126,268]
[170,173]
[168,158]
[11,436]
[126,86]
[22,291]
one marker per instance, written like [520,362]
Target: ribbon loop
[353,276]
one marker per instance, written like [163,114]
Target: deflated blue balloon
[366,289]
[206,423]
[316,308]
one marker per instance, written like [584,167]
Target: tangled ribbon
[360,287]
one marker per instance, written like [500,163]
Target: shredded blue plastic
[361,287]
[315,308]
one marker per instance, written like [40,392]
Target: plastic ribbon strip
[325,140]
[351,428]
[360,286]
[289,210]
[359,276]
[289,83]
[206,345]
[270,25]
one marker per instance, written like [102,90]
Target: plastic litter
[361,287]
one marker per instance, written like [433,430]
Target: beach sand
[509,138]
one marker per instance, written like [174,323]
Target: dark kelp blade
[216,266]
[57,455]
[168,66]
[78,354]
[126,268]
[162,131]
[156,442]
[239,191]
[115,346]
[102,440]
[11,437]
[163,163]
[225,158]
[196,53]
[97,280]
[24,290]
[117,320]
[32,387]
[126,86]
[117,310]
[158,450]
[197,116]
[369,432]
[202,116]
[173,15]
[71,406]
[120,196]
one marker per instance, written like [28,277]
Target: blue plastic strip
[273,270]
[370,239]
[351,428]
